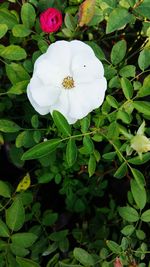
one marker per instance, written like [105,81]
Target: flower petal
[86,97]
[40,110]
[62,104]
[86,68]
[79,47]
[47,72]
[59,53]
[43,95]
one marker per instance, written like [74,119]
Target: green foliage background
[88,201]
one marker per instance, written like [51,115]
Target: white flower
[68,78]
[140,143]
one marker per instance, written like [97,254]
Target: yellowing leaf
[24,183]
[86,12]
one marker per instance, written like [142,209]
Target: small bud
[117,263]
[140,143]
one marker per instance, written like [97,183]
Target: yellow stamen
[68,82]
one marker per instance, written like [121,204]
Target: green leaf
[3,29]
[88,145]
[4,189]
[41,149]
[97,50]
[139,177]
[45,178]
[128,230]
[20,30]
[112,101]
[58,236]
[83,257]
[145,217]
[28,15]
[62,264]
[128,71]
[113,130]
[139,194]
[18,88]
[35,121]
[4,232]
[11,259]
[145,89]
[43,45]
[114,82]
[13,52]
[15,215]
[144,9]
[85,124]
[138,160]
[131,2]
[142,106]
[24,240]
[64,245]
[124,116]
[109,155]
[91,165]
[144,59]
[140,234]
[127,88]
[118,18]
[97,18]
[8,18]
[26,262]
[16,73]
[113,246]
[71,152]
[118,52]
[24,139]
[53,260]
[67,32]
[49,218]
[129,214]
[121,171]
[61,123]
[70,22]
[7,126]
[18,250]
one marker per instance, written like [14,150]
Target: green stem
[137,76]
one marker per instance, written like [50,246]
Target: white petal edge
[40,110]
[79,47]
[43,95]
[59,54]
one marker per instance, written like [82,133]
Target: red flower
[117,263]
[50,20]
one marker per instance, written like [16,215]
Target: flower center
[68,82]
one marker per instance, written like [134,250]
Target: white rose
[140,143]
[68,78]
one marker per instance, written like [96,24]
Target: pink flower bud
[117,263]
[50,20]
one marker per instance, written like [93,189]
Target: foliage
[75,195]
